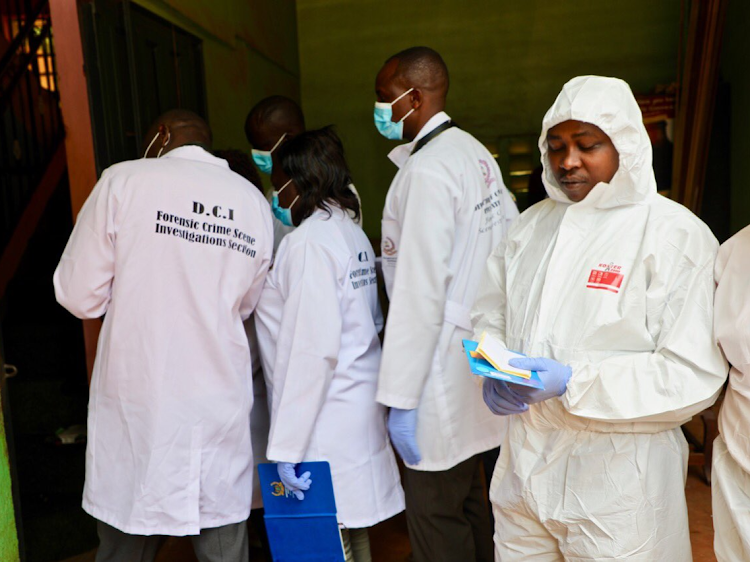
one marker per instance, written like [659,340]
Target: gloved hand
[402,427]
[501,399]
[289,478]
[554,376]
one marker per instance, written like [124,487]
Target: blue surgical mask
[383,119]
[263,159]
[283,214]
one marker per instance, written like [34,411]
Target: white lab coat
[317,322]
[169,449]
[280,229]
[620,287]
[730,486]
[260,415]
[445,211]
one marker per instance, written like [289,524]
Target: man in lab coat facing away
[608,288]
[174,250]
[730,486]
[446,209]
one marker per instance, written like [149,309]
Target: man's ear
[166,134]
[416,98]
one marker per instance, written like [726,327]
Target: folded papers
[489,358]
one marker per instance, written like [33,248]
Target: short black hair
[315,161]
[275,109]
[240,163]
[421,67]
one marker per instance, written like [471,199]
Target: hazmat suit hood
[609,104]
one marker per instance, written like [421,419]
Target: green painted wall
[734,69]
[8,536]
[249,52]
[507,59]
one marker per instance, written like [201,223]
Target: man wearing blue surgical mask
[270,123]
[445,212]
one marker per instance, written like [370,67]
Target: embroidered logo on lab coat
[389,247]
[607,277]
[489,179]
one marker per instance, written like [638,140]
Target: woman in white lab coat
[318,321]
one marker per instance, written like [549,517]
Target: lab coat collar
[321,214]
[401,153]
[195,152]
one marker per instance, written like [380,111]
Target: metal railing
[30,121]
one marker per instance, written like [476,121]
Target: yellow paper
[495,354]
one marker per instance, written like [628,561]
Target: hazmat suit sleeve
[417,307]
[488,314]
[306,351]
[684,374]
[83,278]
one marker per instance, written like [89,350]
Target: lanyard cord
[432,134]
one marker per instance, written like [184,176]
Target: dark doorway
[49,394]
[138,66]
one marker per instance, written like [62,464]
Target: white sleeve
[418,295]
[685,372]
[250,300]
[488,313]
[280,230]
[83,278]
[510,209]
[732,305]
[307,349]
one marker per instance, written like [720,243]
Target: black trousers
[448,515]
[221,544]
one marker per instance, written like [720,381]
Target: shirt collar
[195,152]
[401,153]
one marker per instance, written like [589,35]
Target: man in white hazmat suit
[446,209]
[175,251]
[730,482]
[608,288]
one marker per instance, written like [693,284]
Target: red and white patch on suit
[607,277]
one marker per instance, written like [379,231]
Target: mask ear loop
[153,140]
[278,142]
[169,138]
[401,96]
[407,115]
[284,186]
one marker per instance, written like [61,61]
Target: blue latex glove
[554,376]
[289,478]
[501,399]
[402,427]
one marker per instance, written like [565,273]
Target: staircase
[32,158]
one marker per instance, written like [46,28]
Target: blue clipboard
[483,368]
[301,530]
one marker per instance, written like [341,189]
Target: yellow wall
[249,52]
